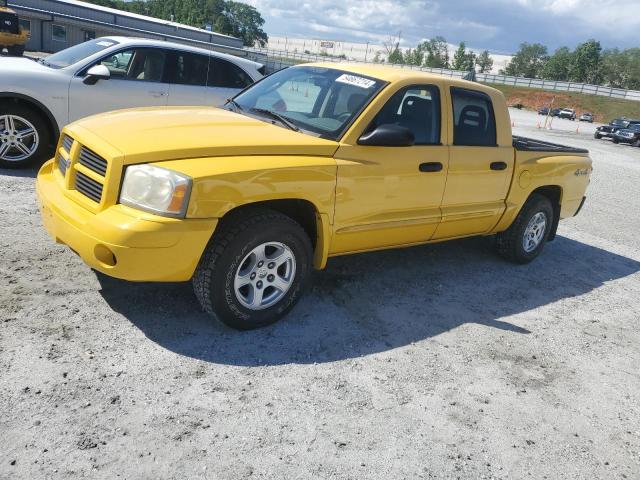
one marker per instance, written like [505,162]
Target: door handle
[498,165]
[431,167]
[157,94]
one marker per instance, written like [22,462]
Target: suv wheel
[615,140]
[523,241]
[637,143]
[254,270]
[24,137]
[597,136]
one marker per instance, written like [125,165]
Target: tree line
[224,16]
[434,53]
[587,63]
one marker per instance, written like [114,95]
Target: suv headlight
[156,190]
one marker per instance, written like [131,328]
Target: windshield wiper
[234,104]
[281,118]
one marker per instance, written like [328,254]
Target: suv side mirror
[95,73]
[388,135]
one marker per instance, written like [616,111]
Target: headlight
[156,190]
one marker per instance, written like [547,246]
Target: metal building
[57,24]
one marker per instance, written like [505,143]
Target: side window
[225,74]
[416,108]
[143,64]
[188,69]
[474,122]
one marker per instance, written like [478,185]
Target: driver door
[137,80]
[387,195]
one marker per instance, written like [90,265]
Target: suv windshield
[79,52]
[620,123]
[320,101]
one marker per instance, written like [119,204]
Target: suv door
[225,80]
[480,170]
[187,77]
[389,196]
[137,80]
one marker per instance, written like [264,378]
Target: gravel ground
[440,361]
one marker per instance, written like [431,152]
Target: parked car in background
[543,111]
[314,161]
[608,131]
[38,98]
[567,113]
[586,117]
[630,135]
[555,112]
[12,36]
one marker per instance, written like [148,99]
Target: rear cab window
[474,122]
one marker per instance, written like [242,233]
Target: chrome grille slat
[88,187]
[67,143]
[62,165]
[93,161]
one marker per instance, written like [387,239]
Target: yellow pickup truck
[311,162]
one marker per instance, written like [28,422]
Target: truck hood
[157,134]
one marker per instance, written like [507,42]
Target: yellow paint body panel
[365,198]
[11,39]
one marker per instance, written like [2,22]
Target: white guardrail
[276,60]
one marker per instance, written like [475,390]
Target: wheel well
[302,211]
[554,194]
[36,107]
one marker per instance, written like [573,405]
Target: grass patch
[603,108]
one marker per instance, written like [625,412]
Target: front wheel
[615,140]
[597,136]
[24,137]
[636,143]
[524,240]
[254,270]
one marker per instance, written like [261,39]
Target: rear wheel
[24,137]
[254,270]
[16,50]
[523,241]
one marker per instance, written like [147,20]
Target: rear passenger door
[187,77]
[480,170]
[225,80]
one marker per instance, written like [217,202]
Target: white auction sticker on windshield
[356,81]
[105,44]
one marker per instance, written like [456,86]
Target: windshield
[320,101]
[634,127]
[620,123]
[79,52]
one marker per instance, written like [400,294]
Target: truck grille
[88,187]
[67,143]
[93,161]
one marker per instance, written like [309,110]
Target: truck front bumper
[122,242]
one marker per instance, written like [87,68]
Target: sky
[497,25]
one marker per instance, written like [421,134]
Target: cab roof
[395,74]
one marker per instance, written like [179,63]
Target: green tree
[559,65]
[436,52]
[396,56]
[463,59]
[586,65]
[528,62]
[484,62]
[621,69]
[225,16]
[414,57]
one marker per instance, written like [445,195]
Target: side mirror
[388,135]
[95,73]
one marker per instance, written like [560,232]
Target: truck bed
[532,145]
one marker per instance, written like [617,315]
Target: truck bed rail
[532,145]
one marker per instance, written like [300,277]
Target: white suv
[38,98]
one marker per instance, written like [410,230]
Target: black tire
[43,149]
[615,140]
[213,281]
[636,143]
[510,243]
[597,136]
[16,50]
